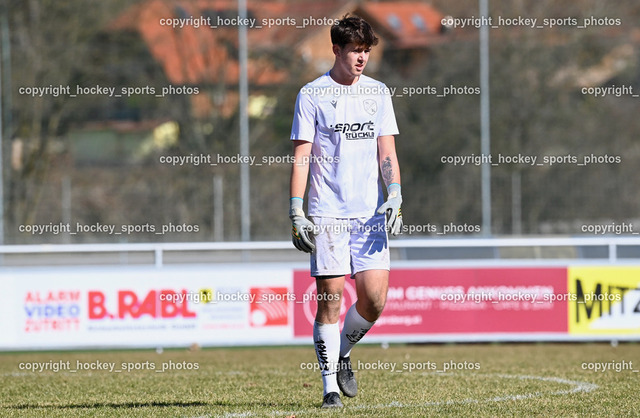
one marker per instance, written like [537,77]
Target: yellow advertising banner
[604,300]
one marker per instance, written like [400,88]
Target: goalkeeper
[343,139]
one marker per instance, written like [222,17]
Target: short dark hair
[353,29]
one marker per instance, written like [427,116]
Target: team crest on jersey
[370,106]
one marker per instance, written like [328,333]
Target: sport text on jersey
[356,130]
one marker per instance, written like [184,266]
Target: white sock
[326,338]
[355,327]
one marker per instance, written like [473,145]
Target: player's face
[352,59]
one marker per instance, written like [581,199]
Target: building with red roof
[196,42]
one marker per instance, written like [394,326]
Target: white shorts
[352,245]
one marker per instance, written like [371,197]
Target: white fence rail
[612,245]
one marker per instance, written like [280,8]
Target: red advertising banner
[432,301]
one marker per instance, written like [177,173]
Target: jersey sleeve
[388,125]
[304,119]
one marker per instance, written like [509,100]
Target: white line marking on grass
[577,387]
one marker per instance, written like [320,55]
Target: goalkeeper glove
[301,227]
[392,208]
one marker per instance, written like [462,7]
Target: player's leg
[371,288]
[370,260]
[326,336]
[329,293]
[329,264]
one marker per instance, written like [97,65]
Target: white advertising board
[144,307]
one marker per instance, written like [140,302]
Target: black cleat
[346,380]
[332,400]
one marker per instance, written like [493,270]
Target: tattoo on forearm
[387,171]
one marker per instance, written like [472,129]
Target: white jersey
[344,123]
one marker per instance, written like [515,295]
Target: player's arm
[389,166]
[301,226]
[300,168]
[390,170]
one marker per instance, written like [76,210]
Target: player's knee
[328,312]
[377,308]
[329,306]
[373,309]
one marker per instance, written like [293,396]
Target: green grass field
[500,379]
